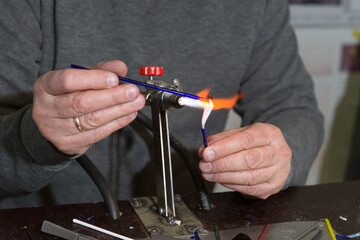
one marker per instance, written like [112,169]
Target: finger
[247,178]
[251,137]
[224,134]
[72,80]
[80,103]
[244,160]
[99,118]
[79,143]
[118,67]
[217,137]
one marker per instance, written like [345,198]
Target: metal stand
[158,214]
[164,179]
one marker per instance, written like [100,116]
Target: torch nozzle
[194,103]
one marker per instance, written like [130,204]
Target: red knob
[151,71]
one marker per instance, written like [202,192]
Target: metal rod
[168,174]
[164,178]
[188,160]
[159,160]
[99,229]
[146,85]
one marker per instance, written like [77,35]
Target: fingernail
[208,175]
[210,154]
[111,80]
[205,166]
[131,93]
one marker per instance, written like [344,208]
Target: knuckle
[273,130]
[246,140]
[252,159]
[62,103]
[263,130]
[117,96]
[259,125]
[267,175]
[287,153]
[222,166]
[91,120]
[251,178]
[121,66]
[67,79]
[80,104]
[268,155]
[40,85]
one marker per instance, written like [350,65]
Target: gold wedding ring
[77,124]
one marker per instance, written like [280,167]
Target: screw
[199,229]
[161,211]
[154,230]
[135,203]
[177,198]
[177,83]
[170,220]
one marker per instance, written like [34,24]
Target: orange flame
[220,103]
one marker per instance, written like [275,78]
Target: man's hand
[254,160]
[94,96]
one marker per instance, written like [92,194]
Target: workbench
[339,202]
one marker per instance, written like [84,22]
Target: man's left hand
[254,160]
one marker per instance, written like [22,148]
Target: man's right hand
[94,96]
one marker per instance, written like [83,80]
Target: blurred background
[328,33]
[329,43]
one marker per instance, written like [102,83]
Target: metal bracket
[184,227]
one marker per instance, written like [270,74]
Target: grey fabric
[230,46]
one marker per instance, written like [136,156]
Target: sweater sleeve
[28,161]
[278,90]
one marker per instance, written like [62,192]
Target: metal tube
[189,102]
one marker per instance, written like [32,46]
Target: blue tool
[147,85]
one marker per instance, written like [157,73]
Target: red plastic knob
[151,71]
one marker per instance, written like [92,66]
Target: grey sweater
[231,46]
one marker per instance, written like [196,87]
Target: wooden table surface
[231,210]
